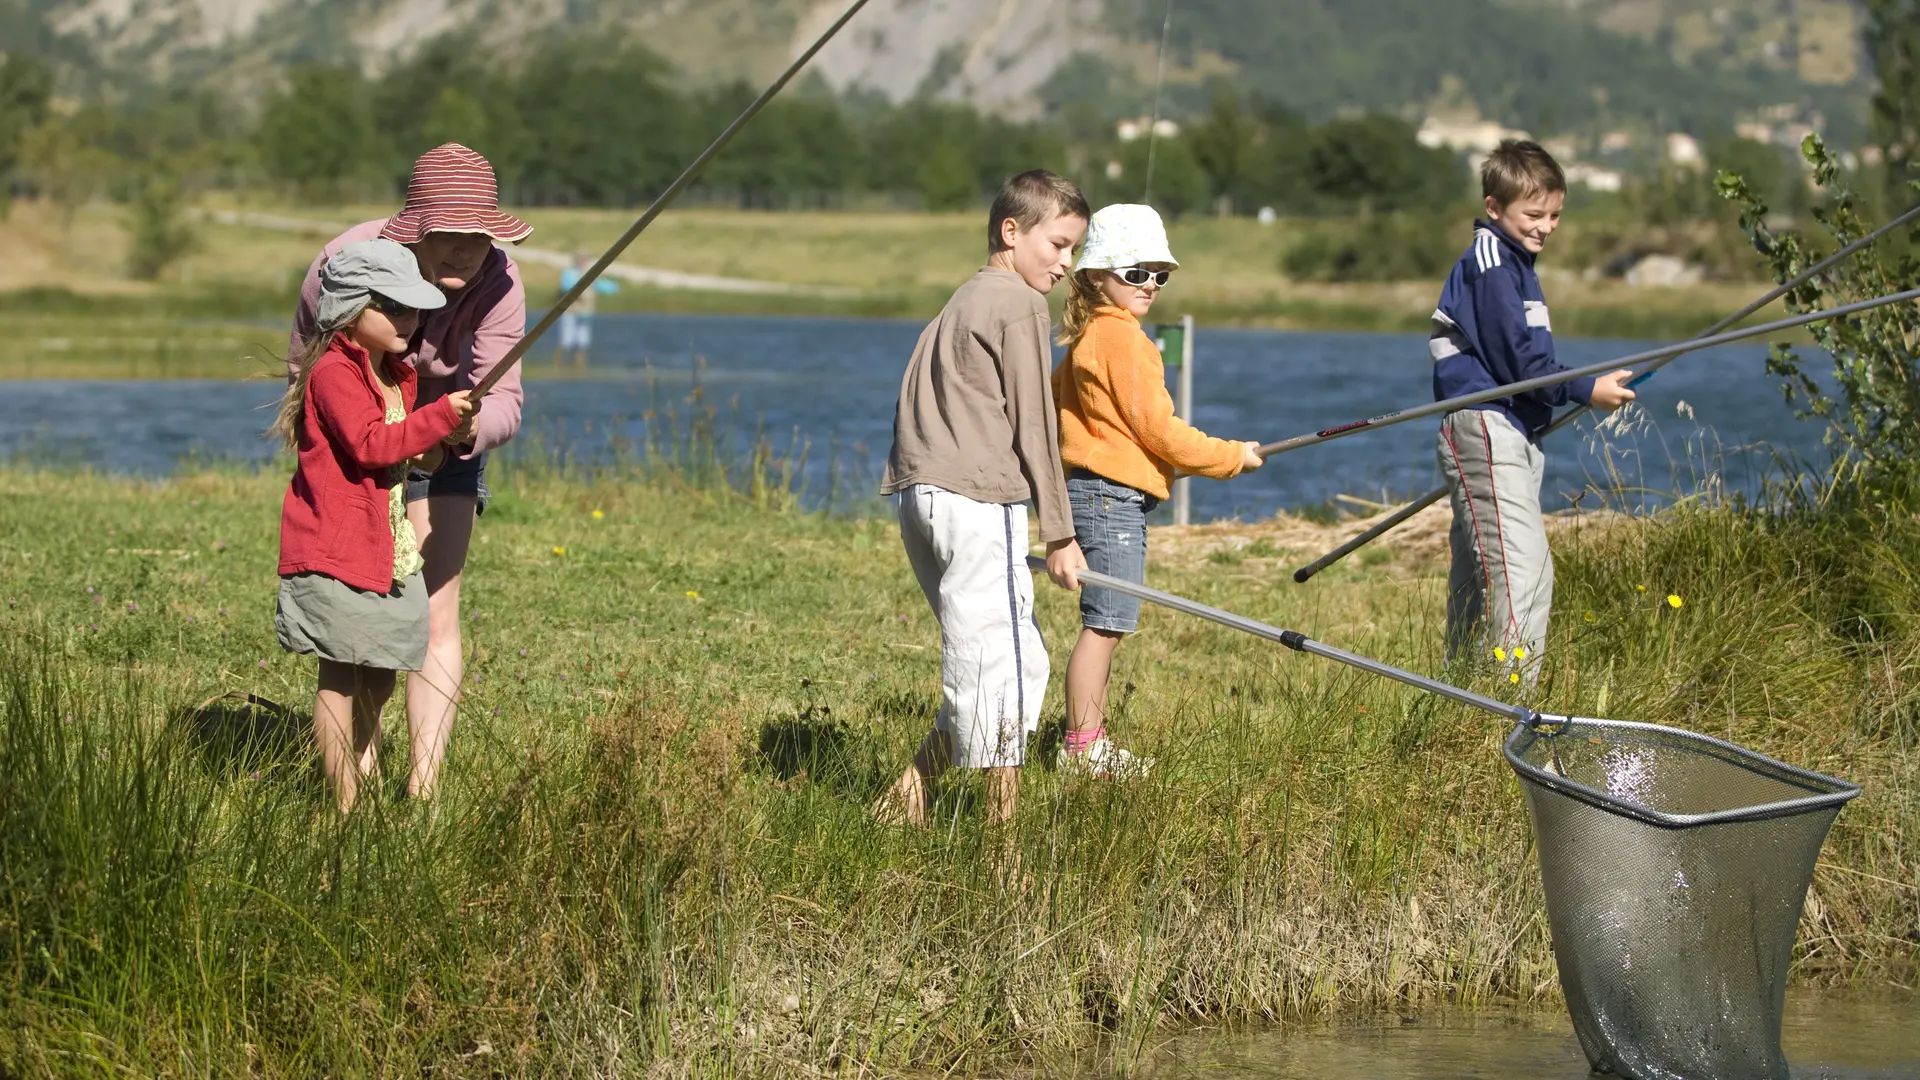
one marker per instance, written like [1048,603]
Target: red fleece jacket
[335,519]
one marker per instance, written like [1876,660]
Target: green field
[67,310]
[654,856]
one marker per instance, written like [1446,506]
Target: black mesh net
[1675,868]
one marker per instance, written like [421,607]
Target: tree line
[590,122]
[596,122]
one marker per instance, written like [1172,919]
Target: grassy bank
[654,853]
[68,310]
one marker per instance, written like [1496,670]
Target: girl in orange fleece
[1120,444]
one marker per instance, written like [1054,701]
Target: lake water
[1826,1037]
[834,382]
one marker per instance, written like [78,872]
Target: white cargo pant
[971,560]
[1500,589]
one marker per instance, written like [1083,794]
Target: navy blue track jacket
[1492,329]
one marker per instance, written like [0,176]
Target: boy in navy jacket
[1492,329]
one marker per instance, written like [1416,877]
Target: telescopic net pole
[1400,516]
[1297,641]
[659,204]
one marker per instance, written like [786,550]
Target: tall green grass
[654,855]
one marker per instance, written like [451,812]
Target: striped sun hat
[453,190]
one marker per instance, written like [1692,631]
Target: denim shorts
[1110,521]
[459,476]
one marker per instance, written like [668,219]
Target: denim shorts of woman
[1110,521]
[459,476]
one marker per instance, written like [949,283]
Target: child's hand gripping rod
[659,204]
[1395,519]
[1299,642]
[1465,400]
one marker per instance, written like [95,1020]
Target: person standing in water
[576,325]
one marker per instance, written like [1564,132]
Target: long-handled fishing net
[1675,866]
[1398,517]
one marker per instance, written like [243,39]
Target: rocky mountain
[1552,63]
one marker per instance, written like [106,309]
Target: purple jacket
[455,346]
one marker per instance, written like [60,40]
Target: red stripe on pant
[1499,534]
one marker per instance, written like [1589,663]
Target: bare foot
[905,803]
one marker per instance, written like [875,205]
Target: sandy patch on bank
[1419,545]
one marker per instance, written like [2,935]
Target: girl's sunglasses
[1140,275]
[392,309]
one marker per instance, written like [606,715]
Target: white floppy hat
[1125,234]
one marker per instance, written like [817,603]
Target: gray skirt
[326,616]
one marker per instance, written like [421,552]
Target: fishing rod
[659,204]
[1455,404]
[1400,516]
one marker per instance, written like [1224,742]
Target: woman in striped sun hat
[453,223]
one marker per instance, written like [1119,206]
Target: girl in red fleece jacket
[351,591]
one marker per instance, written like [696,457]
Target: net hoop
[1825,792]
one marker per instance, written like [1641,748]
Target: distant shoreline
[214,305]
[53,334]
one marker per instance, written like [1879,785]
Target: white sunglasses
[1139,275]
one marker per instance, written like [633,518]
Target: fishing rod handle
[1399,517]
[1385,525]
[659,205]
[1298,642]
[1558,377]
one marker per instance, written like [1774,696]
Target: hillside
[1547,65]
[1551,65]
[1817,40]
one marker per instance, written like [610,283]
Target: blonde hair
[1518,168]
[1083,296]
[293,403]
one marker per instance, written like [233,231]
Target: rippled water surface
[1826,1038]
[834,382]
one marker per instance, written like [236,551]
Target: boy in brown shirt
[975,436]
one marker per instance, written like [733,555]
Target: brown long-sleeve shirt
[976,414]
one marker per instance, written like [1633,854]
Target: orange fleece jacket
[1116,417]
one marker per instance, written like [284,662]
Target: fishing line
[1159,80]
[672,192]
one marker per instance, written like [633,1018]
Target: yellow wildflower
[1673,600]
[1639,588]
[1514,677]
[1520,652]
[598,514]
[691,595]
[559,550]
[1500,654]
[1591,617]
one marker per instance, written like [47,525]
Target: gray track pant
[1500,590]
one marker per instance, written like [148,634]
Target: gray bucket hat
[371,266]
